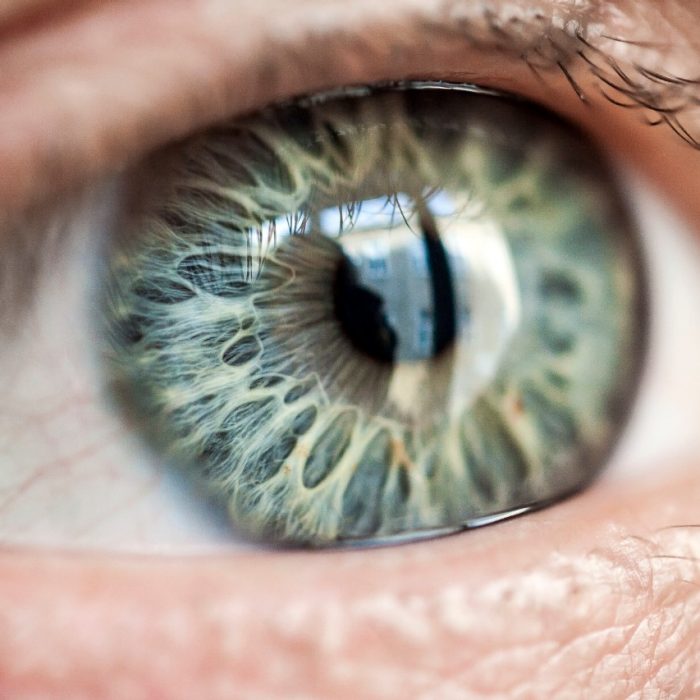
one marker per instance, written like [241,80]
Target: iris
[373,316]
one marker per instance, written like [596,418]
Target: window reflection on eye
[418,428]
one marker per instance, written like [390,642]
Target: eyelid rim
[366,90]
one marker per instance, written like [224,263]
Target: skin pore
[596,597]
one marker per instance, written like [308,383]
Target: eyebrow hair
[548,37]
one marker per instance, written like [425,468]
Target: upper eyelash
[664,96]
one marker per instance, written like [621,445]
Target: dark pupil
[361,315]
[366,308]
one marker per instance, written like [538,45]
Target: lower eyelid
[483,612]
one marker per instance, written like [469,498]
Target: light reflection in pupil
[394,294]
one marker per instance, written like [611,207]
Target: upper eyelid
[63,111]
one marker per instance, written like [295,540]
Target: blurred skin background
[597,597]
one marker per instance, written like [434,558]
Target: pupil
[361,315]
[386,307]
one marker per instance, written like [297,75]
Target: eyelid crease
[104,113]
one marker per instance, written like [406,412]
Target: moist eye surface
[379,316]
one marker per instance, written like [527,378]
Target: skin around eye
[374,317]
[596,597]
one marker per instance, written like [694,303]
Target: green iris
[378,316]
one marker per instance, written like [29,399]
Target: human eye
[547,425]
[74,447]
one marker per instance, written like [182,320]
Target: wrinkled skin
[597,597]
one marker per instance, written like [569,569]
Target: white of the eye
[663,428]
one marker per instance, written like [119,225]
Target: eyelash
[666,96]
[650,91]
